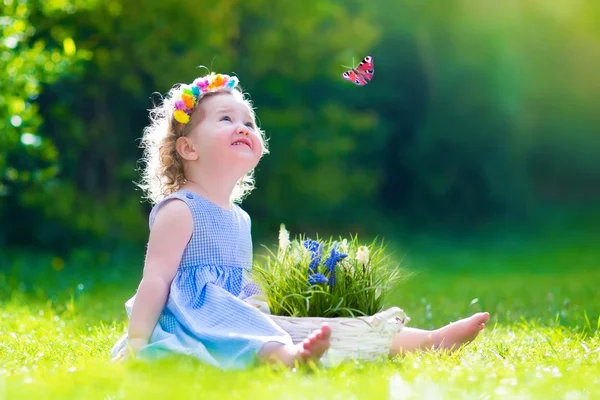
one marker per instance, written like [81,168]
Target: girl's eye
[250,125]
[226,118]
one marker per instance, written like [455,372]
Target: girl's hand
[134,345]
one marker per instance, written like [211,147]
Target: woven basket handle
[391,316]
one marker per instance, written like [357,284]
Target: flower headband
[190,94]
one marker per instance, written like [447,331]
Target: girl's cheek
[260,144]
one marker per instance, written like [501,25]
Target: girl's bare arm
[170,233]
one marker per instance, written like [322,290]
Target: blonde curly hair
[162,172]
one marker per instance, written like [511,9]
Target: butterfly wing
[350,76]
[365,69]
[362,74]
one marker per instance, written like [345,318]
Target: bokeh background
[481,121]
[474,152]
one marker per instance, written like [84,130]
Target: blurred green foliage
[478,111]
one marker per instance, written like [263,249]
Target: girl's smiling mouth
[242,141]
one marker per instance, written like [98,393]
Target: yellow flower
[181,116]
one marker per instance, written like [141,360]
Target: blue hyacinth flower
[334,257]
[316,249]
[317,279]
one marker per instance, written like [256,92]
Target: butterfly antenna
[205,67]
[347,67]
[211,63]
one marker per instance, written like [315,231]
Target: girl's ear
[186,149]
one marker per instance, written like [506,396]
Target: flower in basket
[325,278]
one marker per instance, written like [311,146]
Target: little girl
[200,149]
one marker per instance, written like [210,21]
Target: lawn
[60,318]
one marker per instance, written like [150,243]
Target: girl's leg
[449,337]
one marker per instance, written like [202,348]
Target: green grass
[58,323]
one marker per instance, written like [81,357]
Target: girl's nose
[242,130]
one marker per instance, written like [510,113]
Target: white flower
[348,266]
[362,255]
[298,254]
[284,238]
[344,246]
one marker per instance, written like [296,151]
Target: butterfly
[362,74]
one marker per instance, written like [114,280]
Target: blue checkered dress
[205,315]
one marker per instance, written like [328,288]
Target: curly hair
[162,172]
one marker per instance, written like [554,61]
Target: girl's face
[226,136]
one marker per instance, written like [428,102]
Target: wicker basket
[361,338]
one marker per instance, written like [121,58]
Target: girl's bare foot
[310,349]
[314,346]
[454,335]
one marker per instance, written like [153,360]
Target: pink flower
[203,84]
